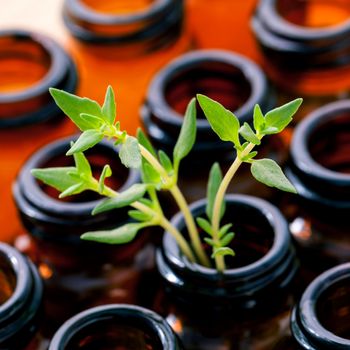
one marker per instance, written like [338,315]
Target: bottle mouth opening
[320,144]
[8,278]
[114,327]
[314,14]
[30,64]
[322,317]
[223,82]
[118,7]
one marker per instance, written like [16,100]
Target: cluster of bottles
[288,286]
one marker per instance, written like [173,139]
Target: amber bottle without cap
[80,274]
[234,309]
[21,295]
[306,48]
[123,43]
[115,326]
[30,63]
[229,78]
[321,320]
[319,169]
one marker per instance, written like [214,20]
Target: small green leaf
[75,189]
[82,164]
[248,158]
[223,122]
[123,199]
[215,178]
[130,154]
[139,215]
[269,173]
[106,172]
[210,241]
[73,106]
[147,202]
[57,178]
[187,136]
[204,225]
[248,134]
[258,119]
[222,251]
[92,122]
[108,108]
[150,175]
[224,229]
[85,141]
[120,235]
[226,240]
[144,141]
[280,117]
[165,161]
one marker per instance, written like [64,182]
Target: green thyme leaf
[226,240]
[215,178]
[248,134]
[258,119]
[92,122]
[82,164]
[73,106]
[165,161]
[204,225]
[223,122]
[108,108]
[269,173]
[222,251]
[75,189]
[123,199]
[187,136]
[130,154]
[139,215]
[57,178]
[224,229]
[106,172]
[120,235]
[150,175]
[85,141]
[280,117]
[249,157]
[144,141]
[210,241]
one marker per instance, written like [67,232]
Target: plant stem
[219,260]
[191,226]
[183,206]
[164,223]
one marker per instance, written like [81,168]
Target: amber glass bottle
[245,307]
[21,294]
[306,48]
[115,326]
[79,274]
[30,63]
[321,320]
[223,24]
[231,79]
[123,43]
[319,169]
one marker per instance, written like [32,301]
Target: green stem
[183,206]
[219,260]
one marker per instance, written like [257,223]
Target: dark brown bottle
[115,326]
[229,78]
[319,169]
[245,307]
[306,49]
[80,274]
[30,63]
[21,296]
[123,44]
[321,320]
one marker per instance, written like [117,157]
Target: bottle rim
[305,324]
[128,314]
[62,73]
